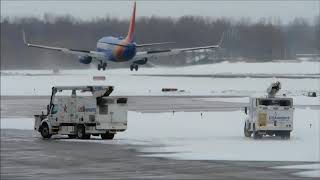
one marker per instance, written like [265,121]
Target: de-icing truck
[270,115]
[83,116]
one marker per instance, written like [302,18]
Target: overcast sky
[286,10]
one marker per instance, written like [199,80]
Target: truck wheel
[87,136]
[247,133]
[44,130]
[288,135]
[256,135]
[81,132]
[72,136]
[285,135]
[107,135]
[270,133]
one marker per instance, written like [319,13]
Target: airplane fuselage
[117,49]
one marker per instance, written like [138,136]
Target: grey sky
[286,10]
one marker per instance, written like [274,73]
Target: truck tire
[270,133]
[256,135]
[288,135]
[72,136]
[285,135]
[87,136]
[44,130]
[247,133]
[107,135]
[81,132]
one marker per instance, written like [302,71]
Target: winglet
[24,38]
[221,40]
[132,24]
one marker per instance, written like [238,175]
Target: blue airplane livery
[118,49]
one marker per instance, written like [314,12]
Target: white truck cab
[269,115]
[83,116]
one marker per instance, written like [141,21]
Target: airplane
[119,49]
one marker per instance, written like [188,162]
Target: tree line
[263,40]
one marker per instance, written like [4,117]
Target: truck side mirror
[48,109]
[246,110]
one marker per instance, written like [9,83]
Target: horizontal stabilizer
[152,44]
[115,44]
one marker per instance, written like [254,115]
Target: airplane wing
[168,52]
[96,55]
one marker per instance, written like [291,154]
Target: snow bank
[141,85]
[126,84]
[224,67]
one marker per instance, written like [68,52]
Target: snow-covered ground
[214,136]
[224,67]
[126,84]
[309,170]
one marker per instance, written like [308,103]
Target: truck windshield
[54,109]
[272,102]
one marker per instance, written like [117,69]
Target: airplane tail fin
[132,24]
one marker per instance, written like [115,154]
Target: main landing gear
[134,66]
[102,66]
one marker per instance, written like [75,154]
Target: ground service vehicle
[269,115]
[83,116]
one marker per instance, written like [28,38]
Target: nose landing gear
[134,66]
[102,66]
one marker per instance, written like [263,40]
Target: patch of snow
[302,166]
[17,123]
[310,170]
[310,174]
[126,84]
[219,136]
[208,136]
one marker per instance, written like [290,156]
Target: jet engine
[85,59]
[141,62]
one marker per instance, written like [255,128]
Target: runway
[24,155]
[239,75]
[22,106]
[193,134]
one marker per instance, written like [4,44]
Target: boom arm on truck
[97,91]
[273,89]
